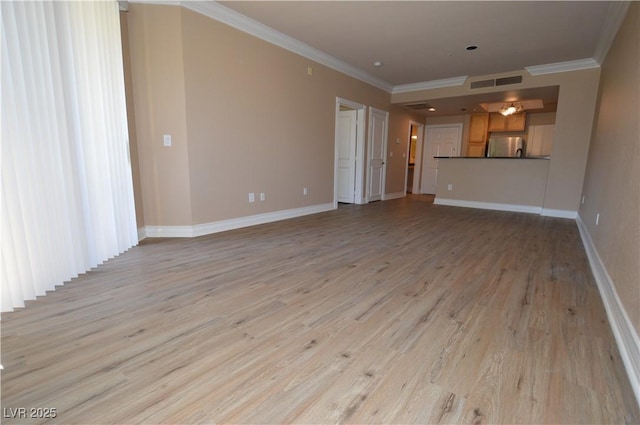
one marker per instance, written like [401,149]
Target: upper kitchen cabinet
[514,122]
[478,131]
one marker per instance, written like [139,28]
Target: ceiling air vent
[418,106]
[482,83]
[509,80]
[497,82]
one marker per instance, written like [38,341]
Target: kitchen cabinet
[514,122]
[540,140]
[476,149]
[478,131]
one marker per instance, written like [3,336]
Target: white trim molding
[615,15]
[233,223]
[626,337]
[547,212]
[552,68]
[531,209]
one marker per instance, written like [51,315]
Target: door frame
[417,168]
[385,138]
[427,149]
[359,181]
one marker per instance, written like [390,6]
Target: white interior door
[441,140]
[378,123]
[346,152]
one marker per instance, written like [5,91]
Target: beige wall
[155,42]
[245,117]
[574,122]
[612,180]
[542,118]
[502,181]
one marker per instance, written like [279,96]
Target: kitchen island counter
[509,184]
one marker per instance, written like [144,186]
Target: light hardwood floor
[393,312]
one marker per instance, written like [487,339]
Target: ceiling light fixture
[511,108]
[431,109]
[377,64]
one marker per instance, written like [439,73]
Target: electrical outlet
[597,218]
[262,197]
[252,197]
[582,201]
[305,192]
[166,139]
[449,186]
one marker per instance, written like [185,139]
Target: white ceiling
[425,41]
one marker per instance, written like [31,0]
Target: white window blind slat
[67,192]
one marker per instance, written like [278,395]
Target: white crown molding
[218,12]
[615,15]
[231,224]
[427,85]
[552,68]
[232,18]
[626,337]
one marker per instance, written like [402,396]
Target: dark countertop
[490,157]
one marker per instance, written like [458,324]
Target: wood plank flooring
[393,312]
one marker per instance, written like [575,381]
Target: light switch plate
[167,139]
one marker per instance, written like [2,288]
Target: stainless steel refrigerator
[506,147]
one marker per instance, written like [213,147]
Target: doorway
[440,140]
[414,157]
[349,153]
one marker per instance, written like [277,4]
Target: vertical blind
[67,193]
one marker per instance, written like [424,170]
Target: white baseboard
[547,212]
[626,337]
[234,223]
[506,207]
[394,195]
[488,205]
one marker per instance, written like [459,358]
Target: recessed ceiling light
[431,109]
[471,47]
[377,64]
